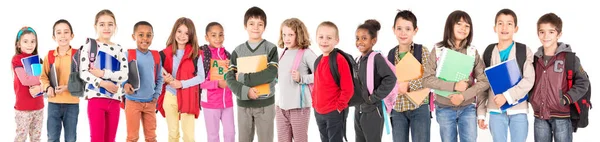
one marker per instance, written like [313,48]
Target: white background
[579,30]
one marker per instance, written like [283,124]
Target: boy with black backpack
[560,84]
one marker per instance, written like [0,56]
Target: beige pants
[173,117]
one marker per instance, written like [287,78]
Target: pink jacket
[214,97]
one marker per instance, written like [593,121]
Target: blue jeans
[501,123]
[558,128]
[455,121]
[418,121]
[60,115]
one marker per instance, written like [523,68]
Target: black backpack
[76,85]
[357,98]
[521,54]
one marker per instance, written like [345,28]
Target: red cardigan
[24,100]
[188,98]
[327,95]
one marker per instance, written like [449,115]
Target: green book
[453,67]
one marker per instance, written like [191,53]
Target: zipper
[224,104]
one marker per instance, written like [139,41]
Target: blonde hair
[332,25]
[302,39]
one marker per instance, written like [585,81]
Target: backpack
[51,59]
[580,109]
[132,55]
[296,63]
[76,85]
[390,100]
[357,98]
[521,54]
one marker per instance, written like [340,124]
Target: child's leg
[467,124]
[23,121]
[446,118]
[245,124]
[322,124]
[70,122]
[96,116]
[371,124]
[299,120]
[400,125]
[54,123]
[264,123]
[149,121]
[284,128]
[420,124]
[112,120]
[499,127]
[562,129]
[187,126]
[211,119]
[518,127]
[228,124]
[542,131]
[172,116]
[133,114]
[37,121]
[359,131]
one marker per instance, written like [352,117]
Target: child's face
[289,37]
[548,34]
[182,35]
[27,43]
[106,26]
[215,36]
[462,30]
[505,27]
[255,28]
[143,36]
[62,34]
[327,39]
[404,31]
[364,41]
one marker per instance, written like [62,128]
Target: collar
[68,52]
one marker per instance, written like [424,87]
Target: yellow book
[408,68]
[218,69]
[252,64]
[417,97]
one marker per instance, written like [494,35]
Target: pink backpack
[390,100]
[297,61]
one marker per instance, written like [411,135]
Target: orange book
[417,97]
[218,69]
[252,64]
[409,68]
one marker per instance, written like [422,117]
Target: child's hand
[167,77]
[499,100]
[128,88]
[482,124]
[60,89]
[296,76]
[35,90]
[253,93]
[403,87]
[175,84]
[461,86]
[457,99]
[109,86]
[97,72]
[50,92]
[222,84]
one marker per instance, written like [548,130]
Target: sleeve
[239,89]
[522,88]
[84,67]
[309,61]
[25,79]
[581,84]
[482,100]
[482,83]
[159,82]
[199,78]
[264,76]
[429,78]
[121,75]
[388,81]
[44,77]
[346,83]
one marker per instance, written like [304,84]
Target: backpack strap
[487,54]
[418,52]
[521,55]
[131,55]
[93,50]
[51,57]
[333,67]
[569,66]
[156,57]
[206,56]
[391,56]
[370,70]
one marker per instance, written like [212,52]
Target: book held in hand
[502,77]
[453,67]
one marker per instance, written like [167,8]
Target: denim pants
[457,121]
[500,124]
[59,116]
[558,128]
[417,121]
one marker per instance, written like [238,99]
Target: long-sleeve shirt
[384,81]
[199,78]
[62,64]
[328,96]
[21,81]
[151,80]
[93,82]
[292,97]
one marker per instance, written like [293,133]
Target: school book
[453,67]
[417,97]
[32,65]
[504,76]
[218,69]
[53,77]
[408,68]
[134,75]
[252,64]
[105,61]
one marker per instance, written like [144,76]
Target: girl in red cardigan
[29,106]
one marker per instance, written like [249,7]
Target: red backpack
[132,55]
[51,58]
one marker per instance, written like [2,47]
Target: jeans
[558,128]
[501,123]
[59,116]
[417,121]
[457,121]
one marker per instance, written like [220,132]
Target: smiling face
[289,37]
[327,38]
[182,35]
[27,43]
[215,36]
[364,41]
[105,27]
[505,27]
[143,36]
[462,30]
[62,34]
[255,28]
[404,31]
[548,35]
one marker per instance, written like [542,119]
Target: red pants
[103,115]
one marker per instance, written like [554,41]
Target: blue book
[105,61]
[504,76]
[32,65]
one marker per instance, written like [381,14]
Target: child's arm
[429,78]
[482,82]
[388,81]
[309,61]
[264,76]
[199,78]
[45,73]
[25,79]
[238,88]
[482,101]
[122,74]
[159,82]
[581,84]
[84,67]
[522,88]
[346,84]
